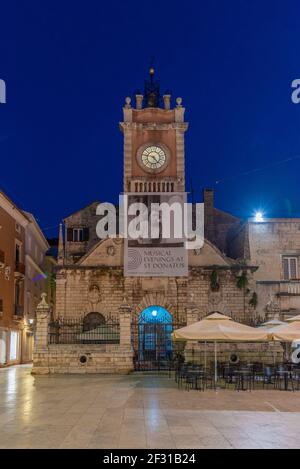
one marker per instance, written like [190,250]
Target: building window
[18,253]
[2,258]
[77,235]
[17,294]
[290,268]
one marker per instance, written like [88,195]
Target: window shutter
[285,268]
[70,234]
[85,234]
[293,268]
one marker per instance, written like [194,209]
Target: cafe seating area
[241,377]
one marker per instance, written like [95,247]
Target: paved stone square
[138,411]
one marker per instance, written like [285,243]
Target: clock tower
[153,142]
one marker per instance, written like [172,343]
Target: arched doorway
[152,341]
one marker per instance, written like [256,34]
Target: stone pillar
[139,101]
[125,325]
[167,101]
[42,320]
[41,350]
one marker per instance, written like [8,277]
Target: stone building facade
[22,280]
[274,246]
[90,275]
[13,223]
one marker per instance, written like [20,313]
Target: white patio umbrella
[271,326]
[286,333]
[273,323]
[220,328]
[294,318]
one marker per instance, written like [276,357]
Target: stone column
[41,350]
[125,325]
[42,320]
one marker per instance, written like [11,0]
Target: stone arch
[221,308]
[154,299]
[92,320]
[155,314]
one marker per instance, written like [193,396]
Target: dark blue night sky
[69,65]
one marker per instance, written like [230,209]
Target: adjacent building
[22,280]
[273,244]
[13,223]
[35,282]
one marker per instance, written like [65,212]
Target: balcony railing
[291,287]
[19,310]
[20,268]
[142,184]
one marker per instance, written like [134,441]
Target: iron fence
[153,347]
[75,331]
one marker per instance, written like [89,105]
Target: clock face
[153,157]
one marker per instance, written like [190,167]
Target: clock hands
[153,158]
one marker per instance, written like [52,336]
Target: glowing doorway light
[259,217]
[154,313]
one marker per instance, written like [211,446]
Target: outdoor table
[197,373]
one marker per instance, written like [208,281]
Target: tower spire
[60,256]
[151,72]
[152,91]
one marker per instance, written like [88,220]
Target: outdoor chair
[268,376]
[195,379]
[229,375]
[296,377]
[209,379]
[244,379]
[283,378]
[181,374]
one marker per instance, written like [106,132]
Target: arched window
[93,320]
[155,314]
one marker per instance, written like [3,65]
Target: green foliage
[214,281]
[253,300]
[51,280]
[242,281]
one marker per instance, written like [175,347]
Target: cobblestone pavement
[138,411]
